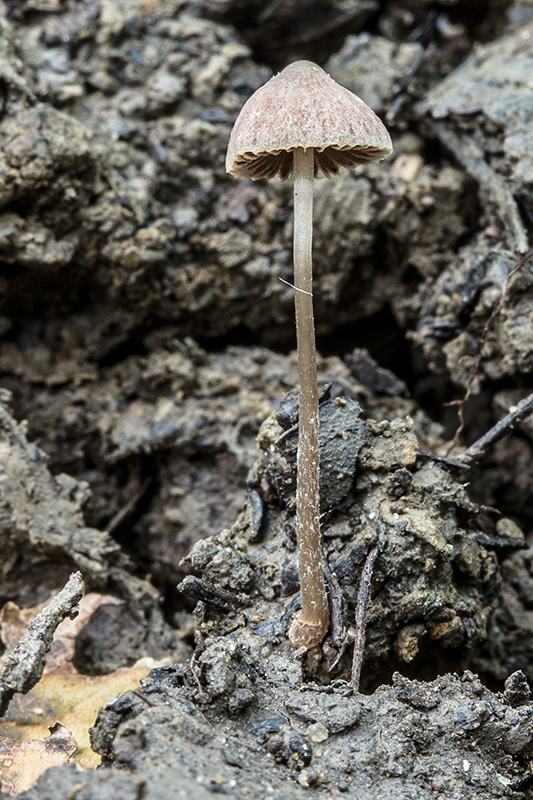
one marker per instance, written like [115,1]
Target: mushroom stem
[311,623]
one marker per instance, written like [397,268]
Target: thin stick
[338,635]
[360,616]
[212,595]
[24,666]
[498,431]
[310,625]
[520,261]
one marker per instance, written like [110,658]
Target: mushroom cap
[304,107]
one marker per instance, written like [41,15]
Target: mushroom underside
[328,160]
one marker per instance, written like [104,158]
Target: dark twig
[24,666]
[498,431]
[402,93]
[519,263]
[138,693]
[128,507]
[338,636]
[446,462]
[360,615]
[212,595]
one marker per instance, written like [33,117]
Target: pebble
[317,732]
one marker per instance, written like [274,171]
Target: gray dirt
[148,403]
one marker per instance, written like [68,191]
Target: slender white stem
[310,625]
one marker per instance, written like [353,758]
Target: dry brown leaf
[21,763]
[63,693]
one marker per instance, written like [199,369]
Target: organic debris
[145,324]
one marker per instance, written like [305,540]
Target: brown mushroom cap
[304,107]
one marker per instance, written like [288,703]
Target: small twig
[360,615]
[519,263]
[142,697]
[270,11]
[401,96]
[190,669]
[446,462]
[24,666]
[472,158]
[498,431]
[338,637]
[212,595]
[128,507]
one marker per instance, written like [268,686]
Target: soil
[148,403]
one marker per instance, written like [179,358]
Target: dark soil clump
[145,460]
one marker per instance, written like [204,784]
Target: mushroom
[299,124]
